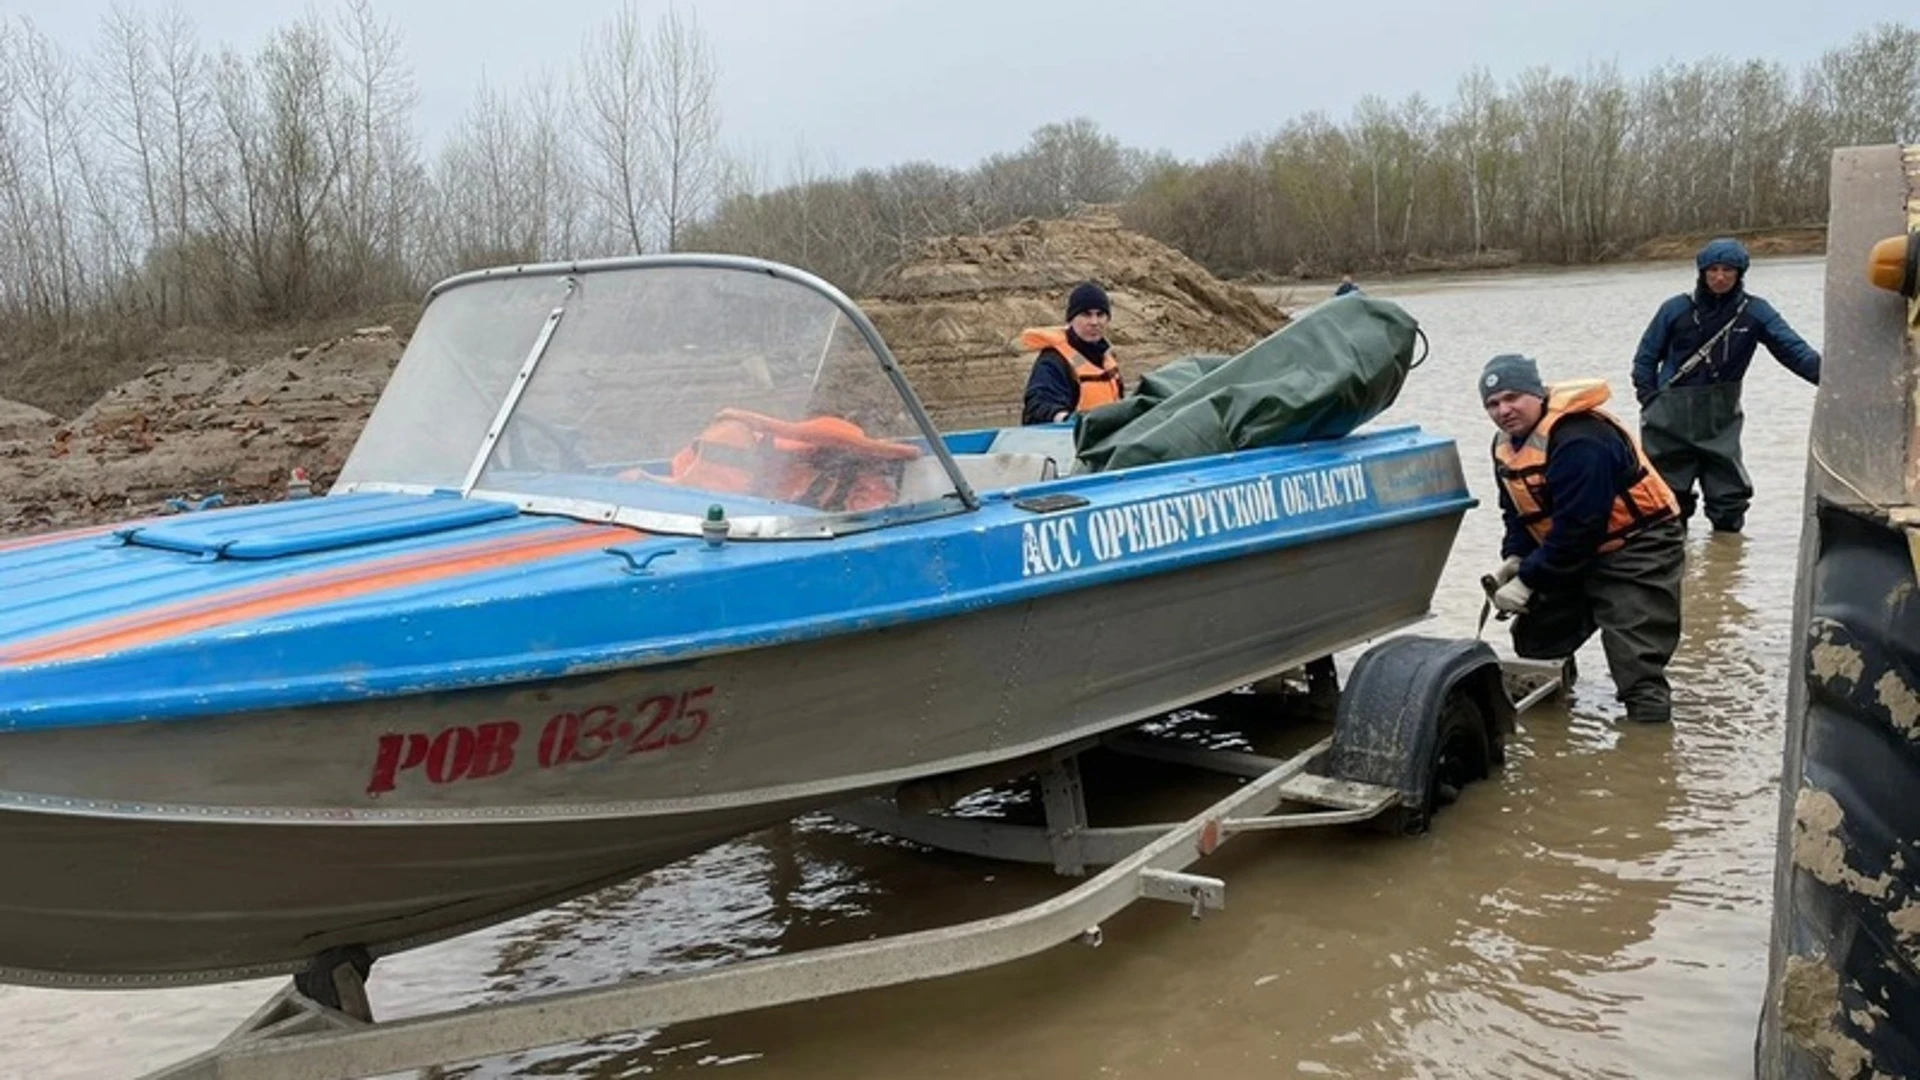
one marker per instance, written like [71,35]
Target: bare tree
[304,154]
[683,123]
[616,87]
[181,84]
[553,182]
[1417,125]
[1062,168]
[280,175]
[1871,87]
[1549,104]
[240,216]
[375,147]
[1080,165]
[126,86]
[479,192]
[1604,121]
[1373,134]
[1477,139]
[46,93]
[18,280]
[1308,165]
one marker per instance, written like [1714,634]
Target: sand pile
[952,314]
[193,427]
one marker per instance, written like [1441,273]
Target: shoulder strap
[1701,354]
[1622,437]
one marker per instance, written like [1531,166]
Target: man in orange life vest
[1076,370]
[1593,534]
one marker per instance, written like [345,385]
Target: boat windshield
[649,391]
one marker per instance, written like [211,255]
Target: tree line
[1550,167]
[154,181]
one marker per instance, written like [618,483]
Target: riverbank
[1787,242]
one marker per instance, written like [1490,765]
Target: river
[1598,909]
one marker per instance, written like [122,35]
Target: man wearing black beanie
[1075,370]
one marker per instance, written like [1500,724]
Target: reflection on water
[1598,909]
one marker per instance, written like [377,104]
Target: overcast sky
[880,82]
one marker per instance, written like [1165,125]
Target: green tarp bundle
[1319,377]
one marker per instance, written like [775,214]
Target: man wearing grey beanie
[1593,537]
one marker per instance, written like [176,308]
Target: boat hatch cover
[309,525]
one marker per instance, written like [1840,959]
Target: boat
[632,556]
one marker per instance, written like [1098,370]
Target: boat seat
[1048,440]
[1016,456]
[989,471]
[924,479]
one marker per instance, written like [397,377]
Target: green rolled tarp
[1319,377]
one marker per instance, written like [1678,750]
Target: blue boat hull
[336,787]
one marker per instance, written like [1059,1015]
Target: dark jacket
[1052,386]
[1588,464]
[1688,321]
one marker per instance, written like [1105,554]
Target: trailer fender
[1423,716]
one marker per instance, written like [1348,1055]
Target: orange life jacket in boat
[1099,383]
[1646,501]
[824,462]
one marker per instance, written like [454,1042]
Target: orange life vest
[825,462]
[1645,501]
[1099,383]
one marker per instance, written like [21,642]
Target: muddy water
[1598,909]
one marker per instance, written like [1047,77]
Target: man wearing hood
[1687,375]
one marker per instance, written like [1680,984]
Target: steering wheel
[515,445]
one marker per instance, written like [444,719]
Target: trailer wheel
[337,978]
[1460,756]
[1425,717]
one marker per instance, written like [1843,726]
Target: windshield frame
[760,526]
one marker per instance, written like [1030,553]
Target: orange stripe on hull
[242,605]
[21,543]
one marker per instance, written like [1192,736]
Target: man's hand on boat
[1511,598]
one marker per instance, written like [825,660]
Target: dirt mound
[952,314]
[18,420]
[1760,243]
[196,427]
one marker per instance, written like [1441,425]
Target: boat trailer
[1387,763]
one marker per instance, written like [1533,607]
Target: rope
[1814,452]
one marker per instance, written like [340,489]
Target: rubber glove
[1512,597]
[1507,571]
